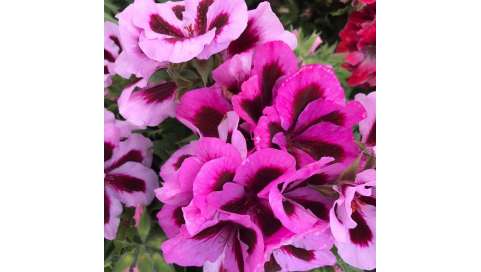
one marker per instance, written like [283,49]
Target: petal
[170,219]
[136,148]
[321,110]
[262,26]
[112,212]
[203,110]
[367,127]
[233,72]
[148,106]
[132,183]
[328,140]
[311,82]
[229,19]
[268,126]
[248,103]
[263,167]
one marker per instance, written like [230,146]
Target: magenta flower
[262,26]
[132,60]
[310,118]
[149,104]
[301,252]
[353,221]
[112,49]
[128,178]
[229,242]
[180,31]
[367,127]
[271,62]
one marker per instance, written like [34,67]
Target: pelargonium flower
[353,221]
[310,118]
[146,104]
[112,49]
[132,60]
[128,178]
[367,127]
[271,62]
[358,39]
[229,242]
[301,252]
[262,26]
[179,173]
[177,32]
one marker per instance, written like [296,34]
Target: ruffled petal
[136,148]
[233,72]
[170,219]
[203,110]
[132,183]
[112,211]
[148,106]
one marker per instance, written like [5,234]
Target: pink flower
[358,39]
[353,221]
[132,60]
[146,104]
[128,178]
[112,49]
[367,127]
[310,118]
[262,26]
[180,31]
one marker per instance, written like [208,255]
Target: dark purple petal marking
[265,219]
[219,22]
[303,97]
[106,70]
[272,265]
[299,253]
[108,151]
[318,179]
[158,93]
[317,208]
[289,208]
[318,149]
[360,235]
[180,160]
[179,217]
[335,117]
[108,56]
[106,208]
[201,19]
[210,231]
[246,41]
[207,120]
[270,74]
[369,200]
[178,11]
[222,178]
[239,257]
[248,237]
[262,178]
[132,155]
[371,137]
[117,42]
[253,108]
[161,26]
[125,183]
[239,205]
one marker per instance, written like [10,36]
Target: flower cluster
[279,174]
[358,39]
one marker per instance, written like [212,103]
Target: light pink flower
[367,127]
[112,49]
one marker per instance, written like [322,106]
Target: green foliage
[343,265]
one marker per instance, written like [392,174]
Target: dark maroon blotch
[263,177]
[253,107]
[178,11]
[132,155]
[319,149]
[180,160]
[158,93]
[248,237]
[108,56]
[117,42]
[219,22]
[371,137]
[106,208]
[207,120]
[108,151]
[201,19]
[222,178]
[360,235]
[300,253]
[270,74]
[303,97]
[161,26]
[125,183]
[179,216]
[246,41]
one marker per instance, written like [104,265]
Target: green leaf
[343,265]
[124,262]
[144,262]
[160,265]
[143,228]
[324,269]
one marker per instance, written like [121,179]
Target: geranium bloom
[230,242]
[132,60]
[310,118]
[148,105]
[367,127]
[180,31]
[128,178]
[262,26]
[358,39]
[353,221]
[301,252]
[112,49]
